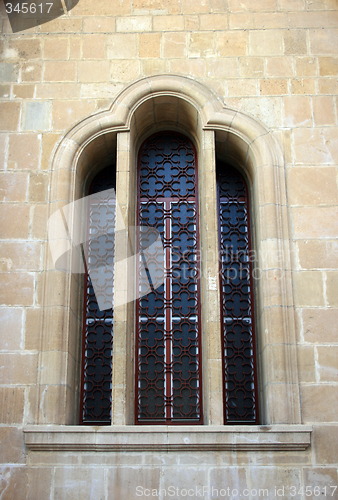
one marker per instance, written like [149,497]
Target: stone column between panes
[210,292]
[124,286]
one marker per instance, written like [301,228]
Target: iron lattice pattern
[168,347]
[240,404]
[98,324]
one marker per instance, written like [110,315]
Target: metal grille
[168,384]
[240,387]
[98,324]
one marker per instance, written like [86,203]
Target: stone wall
[273,60]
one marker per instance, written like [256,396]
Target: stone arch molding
[246,142]
[214,115]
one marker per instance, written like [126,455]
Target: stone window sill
[164,438]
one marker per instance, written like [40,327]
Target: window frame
[258,152]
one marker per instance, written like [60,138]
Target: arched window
[97,337]
[168,368]
[237,308]
[171,102]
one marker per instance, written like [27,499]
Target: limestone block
[168,23]
[306,66]
[9,115]
[295,42]
[23,91]
[13,186]
[31,72]
[75,47]
[297,111]
[318,254]
[122,46]
[49,142]
[279,66]
[8,72]
[20,256]
[246,5]
[323,110]
[245,88]
[59,71]
[320,325]
[325,439]
[306,363]
[319,402]
[266,43]
[332,288]
[274,86]
[242,20]
[24,151]
[154,67]
[191,22]
[5,90]
[251,67]
[94,71]
[19,368]
[328,86]
[174,45]
[12,446]
[38,187]
[322,478]
[231,43]
[73,483]
[36,116]
[213,22]
[149,45]
[308,288]
[11,320]
[189,7]
[56,47]
[27,47]
[172,6]
[57,90]
[135,481]
[327,363]
[99,24]
[38,224]
[25,483]
[328,66]
[266,479]
[131,24]
[125,70]
[323,41]
[312,186]
[315,222]
[67,113]
[14,221]
[303,86]
[104,8]
[291,5]
[94,46]
[64,24]
[201,44]
[314,146]
[12,401]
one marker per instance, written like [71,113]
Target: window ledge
[165,438]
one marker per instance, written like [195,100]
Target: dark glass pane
[240,388]
[168,355]
[98,324]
